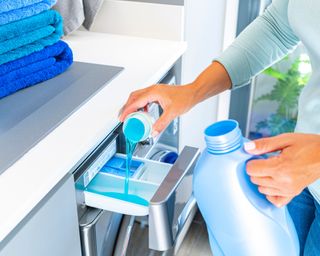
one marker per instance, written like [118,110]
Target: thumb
[267,145]
[162,123]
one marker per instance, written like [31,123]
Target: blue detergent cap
[137,127]
[134,130]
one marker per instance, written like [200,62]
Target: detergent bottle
[240,220]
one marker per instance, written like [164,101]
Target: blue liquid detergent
[134,131]
[130,146]
[128,197]
[112,186]
[136,192]
[240,220]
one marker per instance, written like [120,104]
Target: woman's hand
[174,100]
[285,175]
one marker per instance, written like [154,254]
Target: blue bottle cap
[137,126]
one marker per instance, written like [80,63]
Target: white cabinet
[200,23]
[51,229]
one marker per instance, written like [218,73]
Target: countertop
[24,184]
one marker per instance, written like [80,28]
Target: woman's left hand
[285,175]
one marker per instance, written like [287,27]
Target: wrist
[194,93]
[214,80]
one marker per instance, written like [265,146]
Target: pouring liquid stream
[130,147]
[135,130]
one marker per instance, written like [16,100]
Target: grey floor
[195,243]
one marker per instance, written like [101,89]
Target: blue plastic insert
[117,166]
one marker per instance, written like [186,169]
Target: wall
[141,18]
[204,31]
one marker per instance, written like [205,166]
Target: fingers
[164,120]
[268,191]
[263,181]
[279,201]
[137,100]
[267,145]
[263,167]
[268,175]
[129,108]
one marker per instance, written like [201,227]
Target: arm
[265,41]
[268,39]
[176,100]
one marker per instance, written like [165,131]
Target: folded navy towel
[35,68]
[13,10]
[23,37]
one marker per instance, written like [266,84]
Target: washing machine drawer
[157,187]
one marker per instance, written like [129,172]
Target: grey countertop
[30,114]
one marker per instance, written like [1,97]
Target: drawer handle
[185,161]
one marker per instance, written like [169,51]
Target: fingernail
[120,111]
[119,115]
[154,134]
[248,146]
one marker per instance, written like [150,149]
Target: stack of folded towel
[30,48]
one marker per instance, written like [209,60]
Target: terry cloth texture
[78,12]
[13,10]
[35,68]
[21,38]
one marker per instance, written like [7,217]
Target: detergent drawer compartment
[158,190]
[150,183]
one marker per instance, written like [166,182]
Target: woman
[294,175]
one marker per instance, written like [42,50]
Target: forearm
[212,81]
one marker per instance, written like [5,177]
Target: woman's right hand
[174,100]
[177,100]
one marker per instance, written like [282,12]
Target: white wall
[141,19]
[210,28]
[230,31]
[204,33]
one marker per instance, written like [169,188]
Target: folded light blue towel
[13,10]
[23,37]
[35,68]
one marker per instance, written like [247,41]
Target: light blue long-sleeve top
[269,38]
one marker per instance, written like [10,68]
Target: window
[275,95]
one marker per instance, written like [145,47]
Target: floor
[195,243]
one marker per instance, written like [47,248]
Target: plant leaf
[274,73]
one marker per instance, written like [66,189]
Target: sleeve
[261,44]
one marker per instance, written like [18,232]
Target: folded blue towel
[23,37]
[13,10]
[35,68]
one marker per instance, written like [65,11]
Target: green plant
[286,93]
